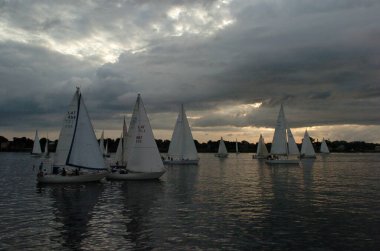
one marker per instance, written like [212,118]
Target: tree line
[24,144]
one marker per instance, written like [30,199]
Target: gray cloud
[318,58]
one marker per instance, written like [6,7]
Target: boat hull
[308,157]
[181,162]
[60,179]
[134,176]
[283,161]
[221,155]
[259,156]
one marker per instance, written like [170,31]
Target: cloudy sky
[231,62]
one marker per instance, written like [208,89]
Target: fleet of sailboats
[143,160]
[284,149]
[182,148]
[222,150]
[78,157]
[307,149]
[262,151]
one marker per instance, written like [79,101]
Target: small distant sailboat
[106,152]
[307,149]
[77,150]
[36,151]
[182,149]
[262,151]
[222,150]
[120,155]
[324,148]
[284,146]
[143,160]
[236,147]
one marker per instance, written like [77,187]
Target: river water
[237,203]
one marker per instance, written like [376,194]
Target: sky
[230,62]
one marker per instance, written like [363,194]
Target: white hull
[134,176]
[58,178]
[221,155]
[282,161]
[181,162]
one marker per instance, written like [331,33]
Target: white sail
[261,147]
[46,152]
[101,143]
[307,148]
[119,151]
[36,144]
[182,146]
[292,146]
[324,147]
[279,142]
[222,147]
[77,143]
[124,143]
[236,146]
[141,148]
[106,149]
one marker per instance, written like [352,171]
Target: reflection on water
[240,203]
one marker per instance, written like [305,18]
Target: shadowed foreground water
[238,203]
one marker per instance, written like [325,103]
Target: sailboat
[106,153]
[236,147]
[120,155]
[77,158]
[143,160]
[262,151]
[182,149]
[324,148]
[307,149]
[284,146]
[222,150]
[36,151]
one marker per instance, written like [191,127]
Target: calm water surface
[232,204]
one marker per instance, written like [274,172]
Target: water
[232,204]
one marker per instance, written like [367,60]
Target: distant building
[377,148]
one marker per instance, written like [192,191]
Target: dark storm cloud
[319,58]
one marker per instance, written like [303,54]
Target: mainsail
[141,148]
[307,148]
[283,141]
[261,148]
[77,143]
[121,155]
[222,147]
[36,144]
[182,145]
[324,147]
